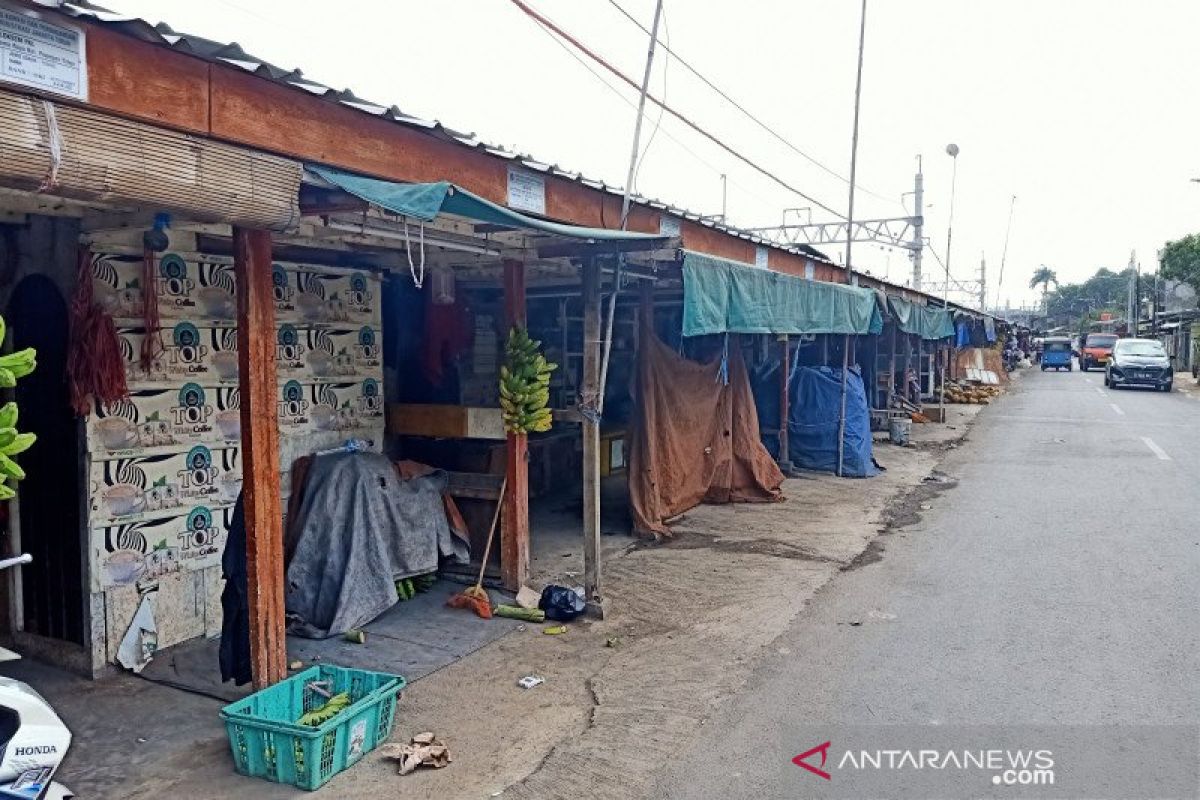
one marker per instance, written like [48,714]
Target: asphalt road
[1057,584]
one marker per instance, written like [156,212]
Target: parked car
[1139,362]
[1097,350]
[1056,353]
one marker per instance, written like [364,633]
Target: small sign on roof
[526,191]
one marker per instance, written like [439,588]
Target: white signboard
[668,226]
[760,257]
[810,270]
[526,191]
[41,54]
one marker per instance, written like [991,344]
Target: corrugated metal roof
[233,54]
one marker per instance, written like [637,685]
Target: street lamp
[952,151]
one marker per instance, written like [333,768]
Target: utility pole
[862,39]
[982,282]
[1131,303]
[918,245]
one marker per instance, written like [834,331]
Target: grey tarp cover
[361,528]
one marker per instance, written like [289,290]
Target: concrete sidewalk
[691,617]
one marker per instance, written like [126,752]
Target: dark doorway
[52,586]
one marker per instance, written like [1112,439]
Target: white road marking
[1089,380]
[1154,448]
[1117,409]
[1099,391]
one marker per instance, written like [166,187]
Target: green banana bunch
[525,384]
[12,367]
[406,589]
[332,707]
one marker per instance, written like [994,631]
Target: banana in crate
[525,385]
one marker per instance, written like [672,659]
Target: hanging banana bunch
[525,384]
[12,366]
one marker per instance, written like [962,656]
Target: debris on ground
[517,612]
[530,681]
[528,598]
[355,636]
[555,630]
[561,604]
[297,664]
[612,641]
[424,750]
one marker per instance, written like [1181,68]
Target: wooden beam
[260,454]
[514,526]
[589,393]
[590,248]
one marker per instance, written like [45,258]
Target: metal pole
[724,196]
[953,151]
[862,37]
[1007,230]
[625,203]
[918,245]
[983,282]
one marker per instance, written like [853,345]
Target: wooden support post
[514,524]
[785,459]
[259,392]
[892,377]
[589,393]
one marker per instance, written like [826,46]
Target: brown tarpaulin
[694,440]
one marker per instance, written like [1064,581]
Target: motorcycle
[33,740]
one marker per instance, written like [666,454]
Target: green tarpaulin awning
[721,296]
[928,323]
[424,201]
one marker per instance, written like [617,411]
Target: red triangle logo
[823,749]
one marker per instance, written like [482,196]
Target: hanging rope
[723,372]
[152,345]
[55,143]
[95,366]
[417,270]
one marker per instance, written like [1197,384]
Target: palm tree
[1044,276]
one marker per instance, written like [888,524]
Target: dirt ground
[690,617]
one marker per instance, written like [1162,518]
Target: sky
[1084,110]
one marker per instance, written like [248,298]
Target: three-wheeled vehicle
[1056,353]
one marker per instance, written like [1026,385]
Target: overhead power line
[539,18]
[699,158]
[778,136]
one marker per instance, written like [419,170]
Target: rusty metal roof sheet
[233,54]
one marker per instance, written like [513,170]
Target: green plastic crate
[267,742]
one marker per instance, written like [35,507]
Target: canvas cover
[361,528]
[721,296]
[924,321]
[815,407]
[694,439]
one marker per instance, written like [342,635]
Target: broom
[474,597]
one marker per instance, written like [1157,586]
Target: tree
[1044,276]
[1180,261]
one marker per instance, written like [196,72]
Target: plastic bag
[561,604]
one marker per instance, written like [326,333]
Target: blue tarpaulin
[815,403]
[424,201]
[721,296]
